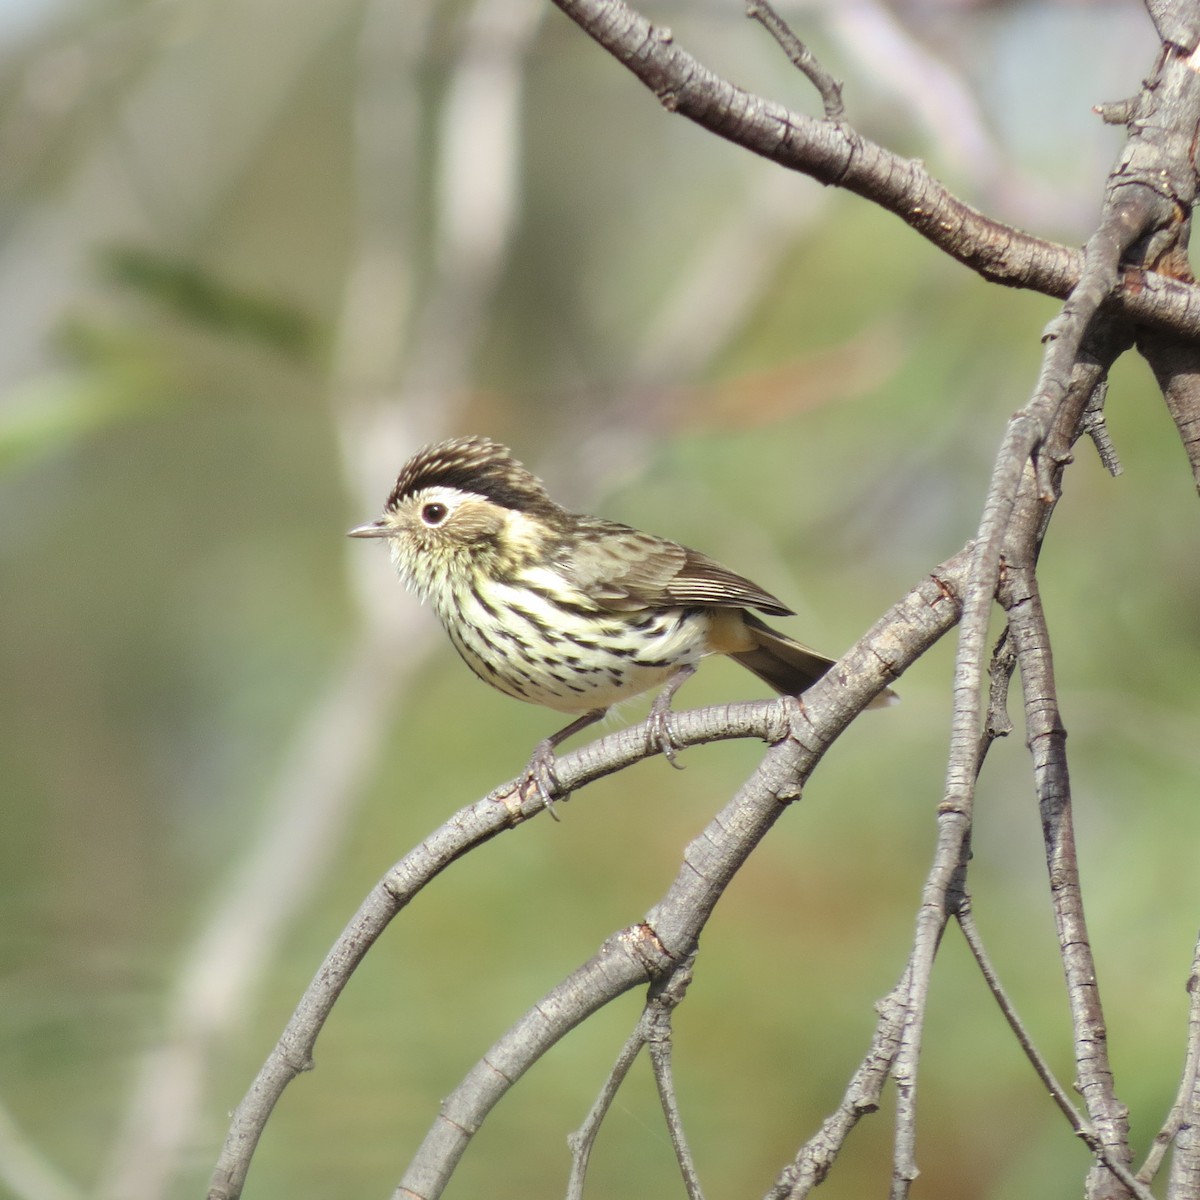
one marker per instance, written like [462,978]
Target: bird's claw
[539,775]
[659,735]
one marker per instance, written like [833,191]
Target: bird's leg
[660,736]
[539,772]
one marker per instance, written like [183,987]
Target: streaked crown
[472,464]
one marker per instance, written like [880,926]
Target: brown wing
[624,569]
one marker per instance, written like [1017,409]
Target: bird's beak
[374,529]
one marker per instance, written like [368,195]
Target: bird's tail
[787,666]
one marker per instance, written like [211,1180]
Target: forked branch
[800,57]
[800,735]
[835,154]
[1129,281]
[669,933]
[1138,218]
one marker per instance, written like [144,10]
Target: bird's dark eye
[434,514]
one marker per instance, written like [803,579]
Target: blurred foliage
[198,297]
[183,207]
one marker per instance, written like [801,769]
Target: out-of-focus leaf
[53,411]
[197,295]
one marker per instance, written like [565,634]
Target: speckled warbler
[566,610]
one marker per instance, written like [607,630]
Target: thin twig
[828,153]
[905,632]
[1029,638]
[800,56]
[1122,222]
[670,930]
[1183,1124]
[664,999]
[1019,504]
[1047,744]
[583,1139]
[861,1097]
[640,953]
[817,1155]
[970,931]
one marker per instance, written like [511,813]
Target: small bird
[570,611]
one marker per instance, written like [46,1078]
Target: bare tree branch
[660,1006]
[584,1138]
[1183,1126]
[1130,281]
[637,954]
[1058,1093]
[1136,212]
[1018,593]
[1047,743]
[835,154]
[671,928]
[800,56]
[653,1030]
[862,1095]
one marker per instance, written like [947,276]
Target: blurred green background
[251,256]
